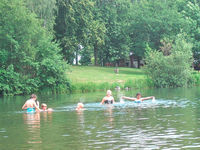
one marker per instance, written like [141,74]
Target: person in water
[108,99]
[80,106]
[44,107]
[138,98]
[30,105]
[37,103]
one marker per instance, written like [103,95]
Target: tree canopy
[40,37]
[30,60]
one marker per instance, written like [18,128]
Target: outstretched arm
[128,98]
[102,101]
[146,98]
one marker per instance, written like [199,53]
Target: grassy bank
[91,78]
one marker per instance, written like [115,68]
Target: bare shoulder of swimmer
[49,109]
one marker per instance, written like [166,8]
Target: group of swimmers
[32,105]
[109,99]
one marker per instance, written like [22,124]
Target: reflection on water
[32,120]
[171,122]
[80,116]
[109,114]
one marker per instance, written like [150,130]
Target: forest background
[40,39]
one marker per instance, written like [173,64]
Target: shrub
[173,70]
[10,81]
[196,78]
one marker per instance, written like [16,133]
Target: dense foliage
[29,59]
[39,37]
[173,70]
[110,30]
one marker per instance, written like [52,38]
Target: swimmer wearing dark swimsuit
[108,102]
[108,99]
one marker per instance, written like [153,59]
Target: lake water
[171,122]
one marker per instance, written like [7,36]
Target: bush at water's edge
[173,69]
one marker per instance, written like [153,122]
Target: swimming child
[80,106]
[30,105]
[138,98]
[108,99]
[44,107]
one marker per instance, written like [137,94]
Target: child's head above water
[44,106]
[79,106]
[138,95]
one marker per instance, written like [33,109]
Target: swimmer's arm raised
[129,98]
[146,98]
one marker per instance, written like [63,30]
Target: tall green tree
[73,25]
[116,17]
[31,61]
[153,21]
[45,10]
[96,41]
[191,11]
[98,32]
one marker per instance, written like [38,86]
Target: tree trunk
[138,60]
[131,61]
[116,68]
[95,54]
[76,57]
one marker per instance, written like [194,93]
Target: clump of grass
[116,84]
[129,84]
[139,83]
[59,89]
[196,78]
[104,86]
[91,86]
[83,87]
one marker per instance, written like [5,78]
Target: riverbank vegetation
[171,67]
[30,60]
[93,78]
[40,39]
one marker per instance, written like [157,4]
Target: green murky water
[172,122]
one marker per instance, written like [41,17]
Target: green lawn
[84,74]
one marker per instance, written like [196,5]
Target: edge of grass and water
[93,78]
[130,84]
